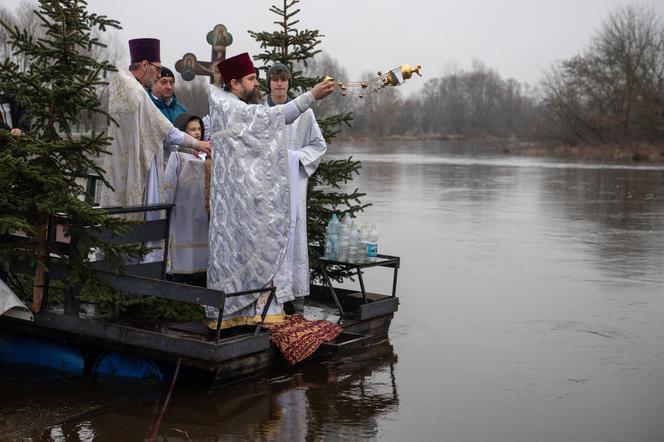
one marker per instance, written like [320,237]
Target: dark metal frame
[138,279]
[382,261]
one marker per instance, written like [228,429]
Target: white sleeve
[295,107]
[171,178]
[206,127]
[176,137]
[311,154]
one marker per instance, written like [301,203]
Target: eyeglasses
[158,68]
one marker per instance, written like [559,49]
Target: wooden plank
[19,241]
[345,342]
[169,290]
[162,289]
[226,349]
[118,210]
[147,231]
[144,270]
[378,308]
[56,270]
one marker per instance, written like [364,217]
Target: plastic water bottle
[334,224]
[342,249]
[335,245]
[331,236]
[328,247]
[353,244]
[333,240]
[362,251]
[372,245]
[346,224]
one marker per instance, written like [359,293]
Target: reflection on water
[532,293]
[532,308]
[293,406]
[32,398]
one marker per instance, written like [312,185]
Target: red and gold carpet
[297,338]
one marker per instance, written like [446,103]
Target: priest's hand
[204,147]
[323,89]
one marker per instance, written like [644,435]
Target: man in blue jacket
[163,95]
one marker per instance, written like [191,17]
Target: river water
[532,309]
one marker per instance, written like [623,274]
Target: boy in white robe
[306,147]
[184,185]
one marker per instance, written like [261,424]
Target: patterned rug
[297,338]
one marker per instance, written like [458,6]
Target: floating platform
[98,345]
[117,346]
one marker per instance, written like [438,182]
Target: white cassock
[184,186]
[306,147]
[136,163]
[250,207]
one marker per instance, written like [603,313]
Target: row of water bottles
[350,241]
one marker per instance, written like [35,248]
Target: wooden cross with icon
[188,66]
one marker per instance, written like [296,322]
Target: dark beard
[255,97]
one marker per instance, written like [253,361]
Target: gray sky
[518,38]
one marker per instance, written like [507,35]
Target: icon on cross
[188,66]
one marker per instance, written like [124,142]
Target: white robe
[306,147]
[184,185]
[249,198]
[135,164]
[136,147]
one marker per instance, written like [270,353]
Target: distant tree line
[466,103]
[613,92]
[610,93]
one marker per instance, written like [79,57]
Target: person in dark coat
[12,116]
[164,98]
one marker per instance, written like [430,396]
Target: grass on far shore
[640,152]
[610,152]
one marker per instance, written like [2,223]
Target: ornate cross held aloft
[189,67]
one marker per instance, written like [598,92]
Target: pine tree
[40,177]
[295,48]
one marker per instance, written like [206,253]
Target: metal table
[381,261]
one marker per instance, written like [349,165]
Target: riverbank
[609,152]
[641,152]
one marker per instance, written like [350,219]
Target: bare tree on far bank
[319,66]
[463,103]
[24,18]
[613,93]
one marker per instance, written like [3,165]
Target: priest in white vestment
[135,165]
[250,204]
[306,147]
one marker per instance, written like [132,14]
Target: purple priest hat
[144,49]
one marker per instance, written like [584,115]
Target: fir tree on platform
[42,178]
